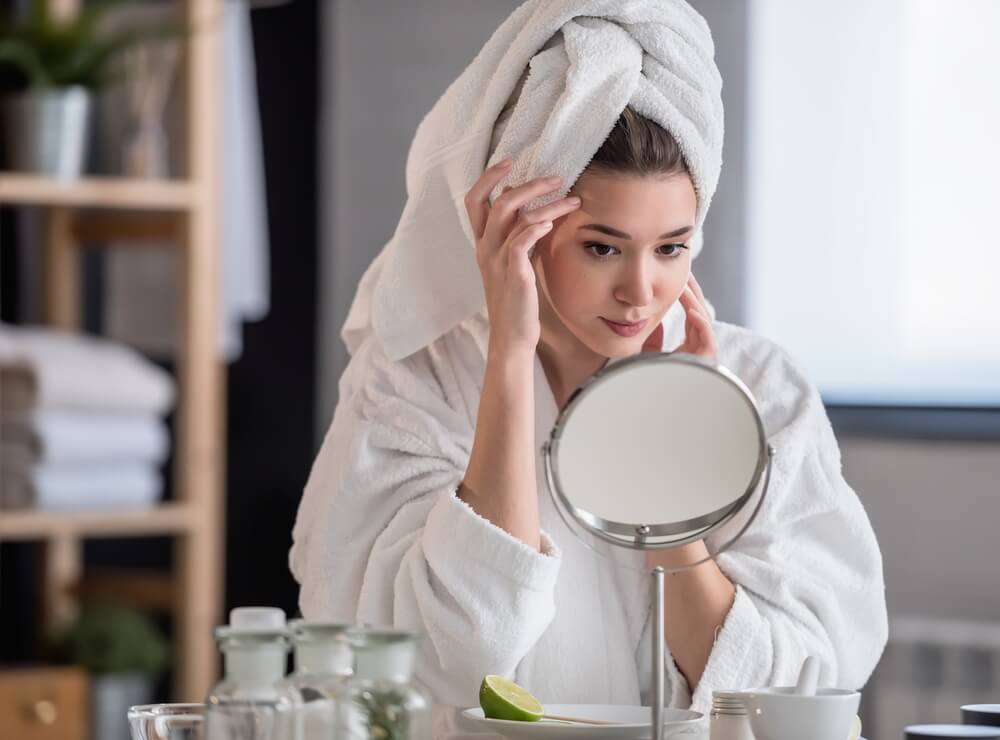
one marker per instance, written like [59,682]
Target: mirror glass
[656,450]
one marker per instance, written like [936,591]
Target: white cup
[778,713]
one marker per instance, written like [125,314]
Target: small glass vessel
[729,718]
[251,702]
[167,722]
[323,665]
[382,702]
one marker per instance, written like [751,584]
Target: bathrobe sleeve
[808,572]
[381,537]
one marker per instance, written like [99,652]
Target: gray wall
[935,505]
[386,63]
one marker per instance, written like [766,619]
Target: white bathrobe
[381,538]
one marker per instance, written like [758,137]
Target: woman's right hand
[504,237]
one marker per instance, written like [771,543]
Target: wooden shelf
[147,589]
[38,525]
[92,211]
[96,192]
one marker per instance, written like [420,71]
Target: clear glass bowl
[167,722]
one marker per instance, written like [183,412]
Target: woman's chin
[605,343]
[629,352]
[616,348]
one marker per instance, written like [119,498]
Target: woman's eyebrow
[622,235]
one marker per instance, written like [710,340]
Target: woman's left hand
[699,338]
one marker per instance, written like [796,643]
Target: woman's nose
[635,287]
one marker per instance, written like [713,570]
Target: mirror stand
[659,624]
[659,637]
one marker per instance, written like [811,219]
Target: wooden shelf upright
[188,210]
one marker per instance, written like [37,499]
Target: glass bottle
[250,703]
[729,719]
[382,702]
[323,665]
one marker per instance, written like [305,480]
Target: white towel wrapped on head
[546,89]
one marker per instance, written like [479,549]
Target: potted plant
[49,72]
[124,653]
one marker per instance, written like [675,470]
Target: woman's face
[608,271]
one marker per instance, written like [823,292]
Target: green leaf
[38,14]
[25,59]
[78,52]
[90,16]
[108,638]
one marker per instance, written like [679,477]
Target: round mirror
[656,450]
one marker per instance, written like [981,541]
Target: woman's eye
[601,250]
[671,250]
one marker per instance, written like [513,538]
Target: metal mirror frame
[644,535]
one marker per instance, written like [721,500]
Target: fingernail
[573,200]
[505,162]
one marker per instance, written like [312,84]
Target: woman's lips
[625,330]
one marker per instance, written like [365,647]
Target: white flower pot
[45,131]
[111,695]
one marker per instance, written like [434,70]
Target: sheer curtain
[873,161]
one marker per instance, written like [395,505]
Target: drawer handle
[43,711]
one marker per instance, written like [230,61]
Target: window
[874,196]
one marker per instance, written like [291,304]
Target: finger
[526,238]
[519,251]
[699,331]
[477,200]
[690,301]
[698,319]
[506,208]
[693,307]
[696,287]
[552,211]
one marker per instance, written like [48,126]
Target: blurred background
[174,272]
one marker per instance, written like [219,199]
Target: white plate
[634,723]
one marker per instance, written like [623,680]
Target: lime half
[855,729]
[503,699]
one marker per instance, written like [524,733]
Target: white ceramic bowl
[777,713]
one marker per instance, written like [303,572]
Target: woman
[427,507]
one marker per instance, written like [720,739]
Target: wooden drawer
[43,704]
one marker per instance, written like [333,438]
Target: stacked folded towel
[81,422]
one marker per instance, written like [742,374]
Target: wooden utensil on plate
[579,720]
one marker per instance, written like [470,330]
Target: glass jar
[382,702]
[167,722]
[251,702]
[323,665]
